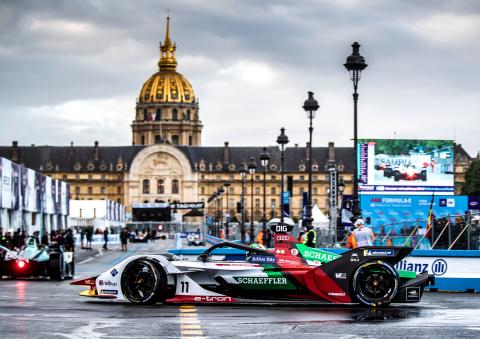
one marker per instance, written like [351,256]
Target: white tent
[319,219]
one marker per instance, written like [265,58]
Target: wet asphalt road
[47,309]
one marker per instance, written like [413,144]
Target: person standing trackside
[310,238]
[105,238]
[361,236]
[124,238]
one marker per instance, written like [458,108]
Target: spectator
[88,236]
[124,238]
[82,237]
[69,241]
[105,238]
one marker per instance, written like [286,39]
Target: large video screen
[393,166]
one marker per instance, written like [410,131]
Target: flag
[430,214]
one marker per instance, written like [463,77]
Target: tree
[472,179]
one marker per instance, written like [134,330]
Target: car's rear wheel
[142,282]
[396,176]
[375,283]
[56,266]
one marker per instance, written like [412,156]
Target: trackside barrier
[455,270]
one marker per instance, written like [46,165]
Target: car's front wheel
[142,282]
[375,283]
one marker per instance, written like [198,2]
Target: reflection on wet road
[47,309]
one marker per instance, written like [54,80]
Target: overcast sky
[72,70]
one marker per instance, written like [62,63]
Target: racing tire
[424,175]
[375,283]
[56,266]
[396,176]
[142,282]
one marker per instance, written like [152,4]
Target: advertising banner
[6,183]
[16,198]
[405,166]
[63,198]
[32,195]
[386,210]
[24,187]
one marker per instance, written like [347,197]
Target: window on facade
[64,177]
[145,114]
[102,190]
[273,190]
[315,190]
[146,186]
[257,203]
[77,177]
[158,115]
[302,190]
[174,114]
[160,186]
[190,140]
[90,178]
[142,142]
[257,190]
[174,139]
[90,190]
[273,178]
[302,177]
[315,178]
[158,139]
[202,190]
[187,115]
[257,177]
[119,190]
[218,177]
[175,186]
[77,190]
[231,190]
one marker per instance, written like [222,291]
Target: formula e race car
[409,173]
[37,261]
[290,271]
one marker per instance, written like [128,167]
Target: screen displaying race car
[409,173]
[290,271]
[37,261]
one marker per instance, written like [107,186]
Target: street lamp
[355,65]
[282,140]
[252,166]
[220,214]
[264,158]
[243,172]
[227,215]
[310,106]
[341,189]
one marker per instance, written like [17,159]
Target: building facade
[166,162]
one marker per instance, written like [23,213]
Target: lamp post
[227,215]
[341,188]
[243,172]
[220,215]
[310,106]
[282,140]
[264,158]
[355,65]
[252,166]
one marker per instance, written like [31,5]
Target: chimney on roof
[14,151]
[331,152]
[71,148]
[226,153]
[96,152]
[296,145]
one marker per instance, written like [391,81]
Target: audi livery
[290,271]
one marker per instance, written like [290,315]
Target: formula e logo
[294,251]
[439,267]
[354,257]
[413,293]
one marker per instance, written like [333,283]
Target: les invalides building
[166,162]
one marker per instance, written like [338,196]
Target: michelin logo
[378,253]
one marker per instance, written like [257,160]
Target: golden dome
[167,85]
